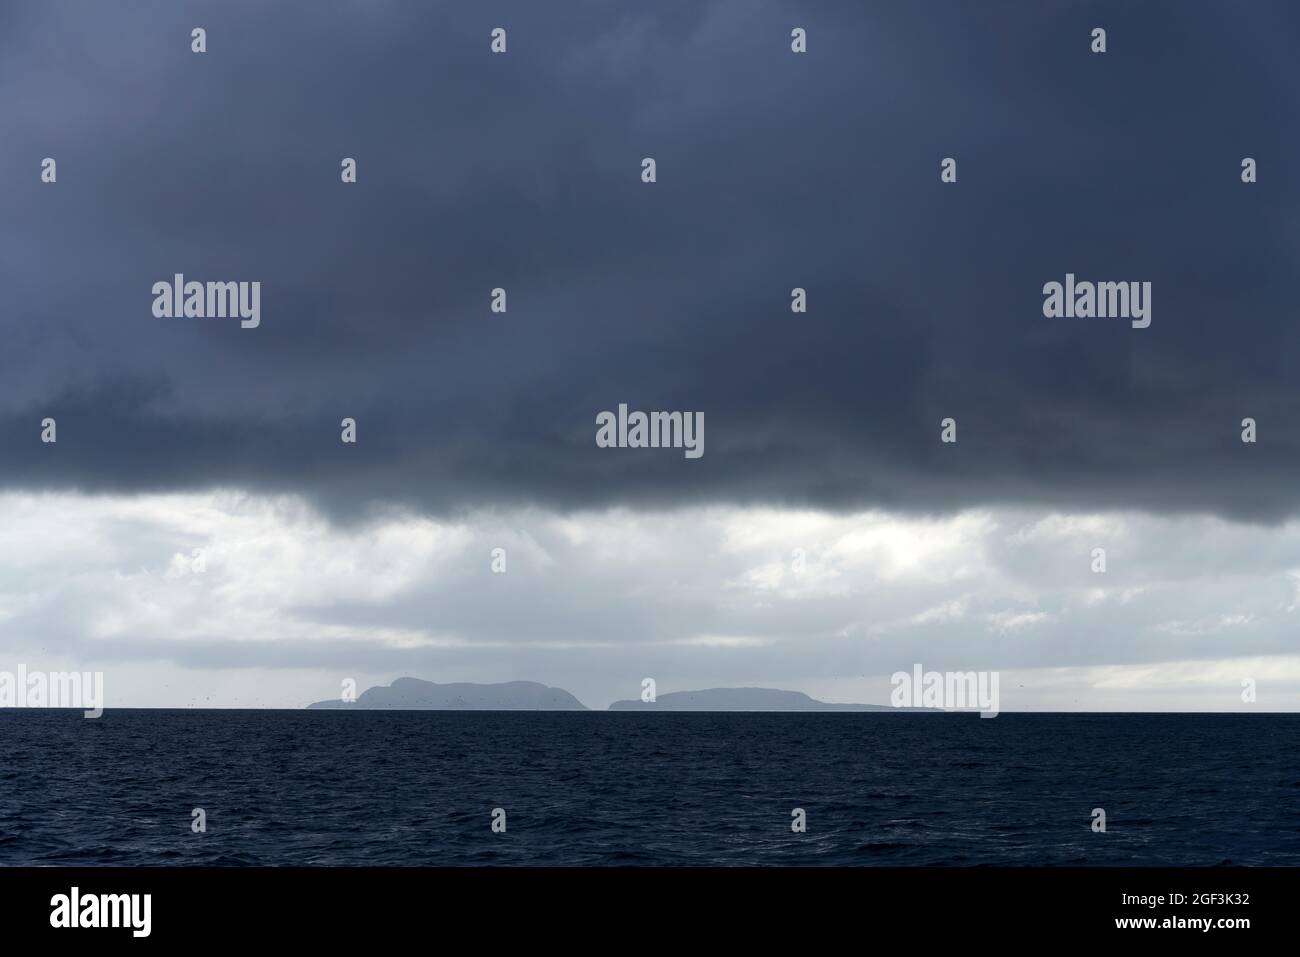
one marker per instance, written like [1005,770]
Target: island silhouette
[416,694]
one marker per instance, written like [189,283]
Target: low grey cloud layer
[775,171]
[287,604]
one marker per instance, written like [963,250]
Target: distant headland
[416,694]
[740,699]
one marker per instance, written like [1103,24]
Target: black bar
[642,908]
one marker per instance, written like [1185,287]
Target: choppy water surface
[417,788]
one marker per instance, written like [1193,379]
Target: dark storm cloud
[775,171]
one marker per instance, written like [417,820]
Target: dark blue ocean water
[418,788]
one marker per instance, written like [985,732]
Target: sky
[200,534]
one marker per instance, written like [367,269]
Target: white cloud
[1007,621]
[595,601]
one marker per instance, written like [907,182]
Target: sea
[448,788]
